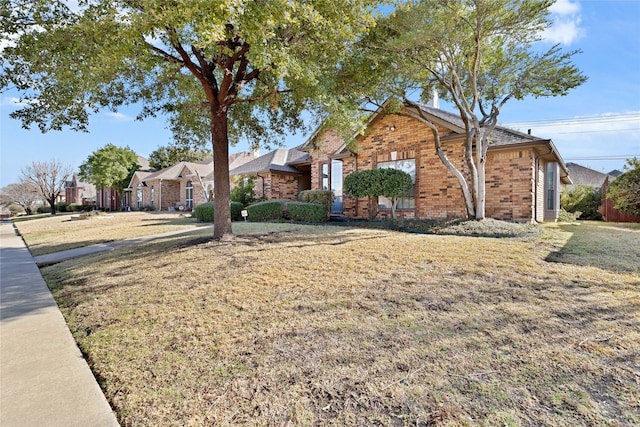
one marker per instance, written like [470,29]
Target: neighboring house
[280,174]
[109,198]
[81,193]
[179,187]
[582,175]
[523,172]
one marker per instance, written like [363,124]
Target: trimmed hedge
[307,212]
[323,197]
[44,209]
[204,212]
[61,207]
[269,210]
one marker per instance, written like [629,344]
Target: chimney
[434,99]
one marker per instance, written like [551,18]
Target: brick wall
[281,186]
[328,143]
[510,185]
[510,175]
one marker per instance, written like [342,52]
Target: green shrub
[204,212]
[323,197]
[61,207]
[74,207]
[243,190]
[44,209]
[266,211]
[15,209]
[307,212]
[236,211]
[564,216]
[584,199]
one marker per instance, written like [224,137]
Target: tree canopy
[24,193]
[224,68]
[49,178]
[624,191]
[478,54]
[169,155]
[110,166]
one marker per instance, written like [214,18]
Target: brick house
[523,172]
[179,187]
[81,193]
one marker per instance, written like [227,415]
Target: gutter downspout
[160,196]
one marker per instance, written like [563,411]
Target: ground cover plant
[293,324]
[57,233]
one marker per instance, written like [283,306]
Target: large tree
[245,68]
[110,167]
[169,155]
[478,54]
[49,178]
[24,193]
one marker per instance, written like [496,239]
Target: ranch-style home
[523,172]
[178,187]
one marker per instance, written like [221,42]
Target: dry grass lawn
[304,325]
[58,233]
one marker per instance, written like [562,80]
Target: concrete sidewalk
[57,257]
[44,380]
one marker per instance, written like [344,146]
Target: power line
[617,118]
[615,157]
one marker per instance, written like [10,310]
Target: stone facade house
[523,172]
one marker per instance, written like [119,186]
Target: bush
[204,212]
[74,207]
[266,211]
[323,197]
[44,209]
[243,190]
[15,209]
[236,211]
[307,212]
[584,199]
[61,207]
[564,216]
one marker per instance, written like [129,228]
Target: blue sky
[596,125]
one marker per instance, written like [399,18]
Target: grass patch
[59,232]
[320,325]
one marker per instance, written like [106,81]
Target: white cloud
[12,102]
[566,19]
[565,7]
[119,117]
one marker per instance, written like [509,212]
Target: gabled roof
[182,169]
[582,175]
[279,160]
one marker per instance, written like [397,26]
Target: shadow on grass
[612,247]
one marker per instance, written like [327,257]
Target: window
[210,192]
[139,196]
[153,196]
[551,186]
[405,165]
[188,199]
[325,176]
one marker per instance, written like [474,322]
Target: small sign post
[244,214]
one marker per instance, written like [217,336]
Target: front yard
[321,325]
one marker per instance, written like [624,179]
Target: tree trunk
[481,191]
[221,187]
[52,204]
